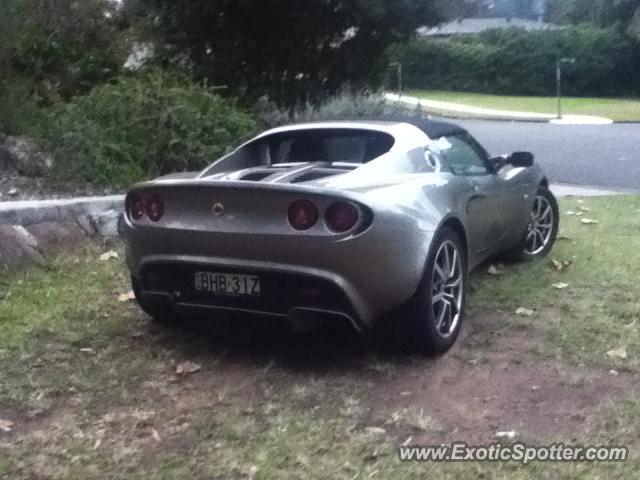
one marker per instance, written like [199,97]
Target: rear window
[329,145]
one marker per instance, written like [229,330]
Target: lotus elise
[360,221]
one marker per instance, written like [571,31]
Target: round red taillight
[155,209]
[135,207]
[341,216]
[302,214]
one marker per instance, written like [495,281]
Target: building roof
[469,26]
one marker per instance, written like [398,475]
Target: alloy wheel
[447,283]
[540,227]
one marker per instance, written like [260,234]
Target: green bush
[19,112]
[345,105]
[517,62]
[142,126]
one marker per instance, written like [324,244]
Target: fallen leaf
[615,373]
[109,255]
[525,312]
[376,430]
[560,285]
[6,425]
[406,393]
[584,209]
[156,435]
[86,350]
[126,297]
[407,441]
[563,237]
[535,388]
[570,212]
[187,367]
[579,214]
[371,457]
[589,221]
[620,353]
[506,434]
[560,265]
[497,269]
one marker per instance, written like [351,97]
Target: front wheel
[430,321]
[542,229]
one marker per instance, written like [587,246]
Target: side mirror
[496,163]
[520,159]
[517,159]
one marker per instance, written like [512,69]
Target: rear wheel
[542,229]
[430,321]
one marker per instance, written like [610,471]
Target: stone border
[94,214]
[30,228]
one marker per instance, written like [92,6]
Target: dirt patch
[254,374]
[476,391]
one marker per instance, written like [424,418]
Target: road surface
[606,156]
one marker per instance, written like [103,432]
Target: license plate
[227,283]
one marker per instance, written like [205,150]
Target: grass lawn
[92,388]
[619,109]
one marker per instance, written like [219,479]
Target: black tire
[521,252]
[414,323]
[161,312]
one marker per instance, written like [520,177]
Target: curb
[31,228]
[568,190]
[29,212]
[461,111]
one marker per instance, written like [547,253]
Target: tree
[63,46]
[604,13]
[293,51]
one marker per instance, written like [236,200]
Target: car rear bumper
[366,275]
[283,294]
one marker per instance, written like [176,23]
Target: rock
[25,236]
[24,156]
[106,223]
[16,248]
[87,224]
[52,234]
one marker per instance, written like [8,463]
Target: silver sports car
[343,220]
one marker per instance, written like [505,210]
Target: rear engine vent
[256,176]
[318,174]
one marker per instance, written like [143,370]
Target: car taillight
[302,214]
[155,209]
[135,207]
[341,216]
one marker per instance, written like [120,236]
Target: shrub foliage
[516,62]
[142,126]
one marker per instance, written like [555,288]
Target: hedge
[516,62]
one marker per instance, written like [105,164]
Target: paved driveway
[606,156]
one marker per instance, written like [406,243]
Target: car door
[489,201]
